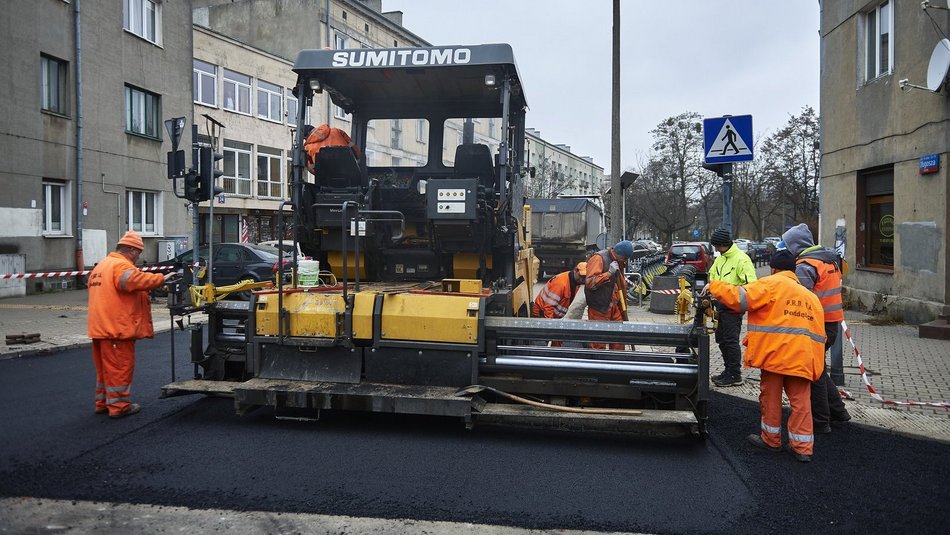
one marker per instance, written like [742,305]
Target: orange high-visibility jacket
[827,287]
[602,289]
[119,307]
[326,136]
[786,332]
[556,296]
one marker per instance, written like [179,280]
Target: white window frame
[144,19]
[340,40]
[270,184]
[395,133]
[873,38]
[340,114]
[54,81]
[269,95]
[60,192]
[236,183]
[421,130]
[138,204]
[240,86]
[199,76]
[143,110]
[292,102]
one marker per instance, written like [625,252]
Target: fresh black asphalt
[195,452]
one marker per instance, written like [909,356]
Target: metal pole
[727,197]
[171,331]
[195,217]
[616,204]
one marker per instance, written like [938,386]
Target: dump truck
[422,304]
[565,231]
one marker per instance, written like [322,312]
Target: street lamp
[626,179]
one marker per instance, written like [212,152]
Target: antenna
[939,65]
[936,70]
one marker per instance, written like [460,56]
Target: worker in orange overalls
[119,314]
[785,339]
[818,269]
[558,294]
[606,287]
[325,136]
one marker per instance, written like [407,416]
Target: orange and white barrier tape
[674,291]
[874,395]
[70,273]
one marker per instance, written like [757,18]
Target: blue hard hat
[624,248]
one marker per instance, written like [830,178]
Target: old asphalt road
[190,464]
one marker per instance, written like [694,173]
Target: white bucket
[308,273]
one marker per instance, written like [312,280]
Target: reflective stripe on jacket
[556,296]
[786,331]
[600,288]
[733,266]
[119,307]
[827,287]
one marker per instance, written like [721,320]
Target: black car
[235,262]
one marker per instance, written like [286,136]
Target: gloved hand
[614,267]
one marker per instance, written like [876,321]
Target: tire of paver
[661,303]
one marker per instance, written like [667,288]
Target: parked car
[287,246]
[693,253]
[236,262]
[759,252]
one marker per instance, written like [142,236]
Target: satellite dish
[939,64]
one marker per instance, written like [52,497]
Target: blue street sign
[695,233]
[727,139]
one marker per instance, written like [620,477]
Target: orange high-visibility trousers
[800,433]
[115,364]
[613,314]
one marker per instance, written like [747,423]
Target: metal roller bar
[586,365]
[595,331]
[595,354]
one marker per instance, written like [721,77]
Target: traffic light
[191,186]
[714,167]
[208,174]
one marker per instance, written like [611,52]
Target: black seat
[337,168]
[475,161]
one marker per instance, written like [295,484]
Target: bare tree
[793,156]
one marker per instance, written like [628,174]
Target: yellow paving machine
[421,301]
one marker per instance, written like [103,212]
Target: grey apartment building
[884,154]
[83,138]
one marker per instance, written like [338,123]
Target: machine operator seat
[337,168]
[475,161]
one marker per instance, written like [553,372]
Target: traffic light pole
[195,217]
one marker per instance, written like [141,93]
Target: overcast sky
[713,57]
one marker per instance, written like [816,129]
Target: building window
[268,173]
[291,108]
[142,112]
[269,101]
[205,83]
[237,92]
[340,114]
[340,40]
[237,168]
[879,26]
[144,19]
[876,216]
[54,84]
[422,130]
[55,208]
[145,212]
[394,140]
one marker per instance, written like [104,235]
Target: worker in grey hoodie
[819,269]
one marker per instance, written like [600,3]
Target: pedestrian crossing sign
[727,139]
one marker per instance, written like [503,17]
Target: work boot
[727,379]
[134,408]
[821,429]
[841,417]
[102,411]
[800,457]
[756,440]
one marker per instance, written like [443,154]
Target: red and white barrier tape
[674,291]
[874,395]
[70,273]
